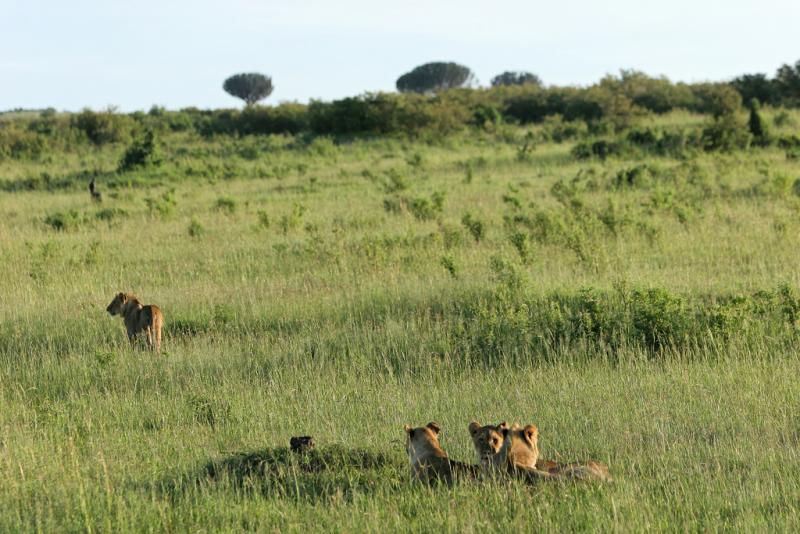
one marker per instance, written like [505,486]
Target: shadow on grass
[331,472]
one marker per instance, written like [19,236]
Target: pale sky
[71,54]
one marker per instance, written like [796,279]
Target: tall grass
[642,311]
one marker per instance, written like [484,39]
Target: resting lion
[428,460]
[139,318]
[504,449]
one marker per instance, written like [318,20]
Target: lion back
[150,316]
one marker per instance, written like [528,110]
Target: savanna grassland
[640,307]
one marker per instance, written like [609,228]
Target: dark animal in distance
[301,443]
[96,196]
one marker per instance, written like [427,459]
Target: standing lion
[139,318]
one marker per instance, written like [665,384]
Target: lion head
[422,439]
[490,443]
[500,446]
[116,306]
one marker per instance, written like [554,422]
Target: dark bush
[103,127]
[143,152]
[757,125]
[486,116]
[757,86]
[601,149]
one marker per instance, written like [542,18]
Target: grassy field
[641,310]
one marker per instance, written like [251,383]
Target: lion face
[489,442]
[115,308]
[421,439]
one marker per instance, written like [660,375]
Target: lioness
[139,318]
[503,449]
[428,460]
[516,450]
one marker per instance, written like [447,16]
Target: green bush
[474,226]
[226,204]
[17,143]
[143,152]
[103,127]
[65,220]
[163,205]
[195,228]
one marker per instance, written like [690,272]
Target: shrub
[102,127]
[486,116]
[421,208]
[636,177]
[558,130]
[530,107]
[659,318]
[66,220]
[521,242]
[110,214]
[292,220]
[474,226]
[783,118]
[725,133]
[21,144]
[143,152]
[601,149]
[394,204]
[450,266]
[226,204]
[263,219]
[757,125]
[163,205]
[195,228]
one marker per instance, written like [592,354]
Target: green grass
[645,318]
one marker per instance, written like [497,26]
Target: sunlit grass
[310,308]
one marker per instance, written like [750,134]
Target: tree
[788,81]
[436,76]
[516,78]
[718,99]
[249,86]
[757,86]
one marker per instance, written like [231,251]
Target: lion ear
[121,295]
[434,426]
[408,429]
[474,427]
[531,434]
[503,425]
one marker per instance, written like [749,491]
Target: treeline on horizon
[610,105]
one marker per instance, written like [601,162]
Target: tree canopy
[516,78]
[249,86]
[436,76]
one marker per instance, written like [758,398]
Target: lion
[515,450]
[139,318]
[504,449]
[429,462]
[587,470]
